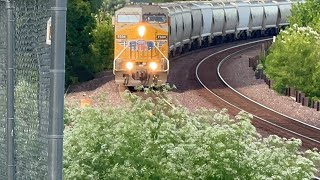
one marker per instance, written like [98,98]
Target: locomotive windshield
[154,18]
[128,18]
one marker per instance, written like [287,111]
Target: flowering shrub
[150,139]
[293,60]
[306,14]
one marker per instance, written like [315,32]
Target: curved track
[208,76]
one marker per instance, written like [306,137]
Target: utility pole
[10,91]
[57,80]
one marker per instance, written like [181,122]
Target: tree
[293,60]
[111,6]
[79,26]
[306,14]
[102,46]
[95,5]
[149,139]
[89,38]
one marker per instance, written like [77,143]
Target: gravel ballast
[240,76]
[103,90]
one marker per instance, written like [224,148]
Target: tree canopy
[293,60]
[306,14]
[89,38]
[80,24]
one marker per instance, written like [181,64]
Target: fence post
[270,84]
[312,104]
[10,91]
[291,92]
[297,96]
[305,101]
[57,79]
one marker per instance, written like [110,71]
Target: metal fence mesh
[32,57]
[3,89]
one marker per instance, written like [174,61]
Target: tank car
[271,14]
[284,13]
[218,22]
[244,13]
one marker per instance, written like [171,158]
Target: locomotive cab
[141,45]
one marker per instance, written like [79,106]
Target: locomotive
[146,35]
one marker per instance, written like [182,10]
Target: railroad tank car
[243,9]
[175,12]
[172,26]
[196,25]
[218,22]
[147,34]
[270,18]
[206,22]
[256,19]
[284,13]
[231,21]
[187,29]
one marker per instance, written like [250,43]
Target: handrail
[114,60]
[164,57]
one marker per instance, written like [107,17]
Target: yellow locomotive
[141,45]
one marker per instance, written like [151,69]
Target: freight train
[146,35]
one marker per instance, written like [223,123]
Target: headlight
[129,65]
[153,66]
[141,31]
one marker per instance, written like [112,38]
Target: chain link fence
[32,83]
[3,89]
[32,66]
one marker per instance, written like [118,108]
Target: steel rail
[221,78]
[266,121]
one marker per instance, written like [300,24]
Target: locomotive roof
[142,8]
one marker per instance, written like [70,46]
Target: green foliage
[112,5]
[95,5]
[80,24]
[151,140]
[306,14]
[156,1]
[293,60]
[89,38]
[102,47]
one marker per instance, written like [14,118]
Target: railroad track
[222,96]
[208,75]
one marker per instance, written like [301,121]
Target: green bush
[306,14]
[293,61]
[151,140]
